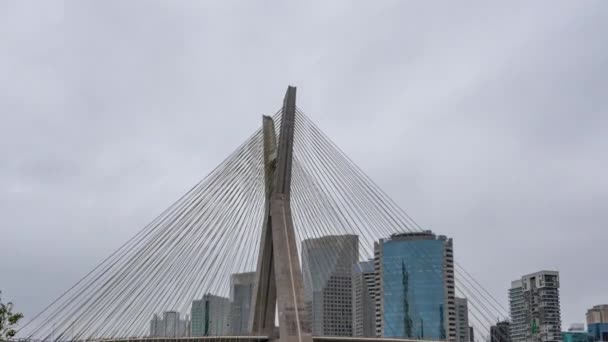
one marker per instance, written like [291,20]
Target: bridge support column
[279,276]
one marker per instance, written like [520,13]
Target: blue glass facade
[413,288]
[599,331]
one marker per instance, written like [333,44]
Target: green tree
[8,320]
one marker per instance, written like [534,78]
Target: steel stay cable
[224,226]
[226,195]
[115,252]
[482,304]
[110,264]
[375,186]
[333,185]
[354,165]
[124,273]
[67,303]
[326,232]
[318,234]
[252,207]
[115,298]
[363,235]
[348,214]
[237,206]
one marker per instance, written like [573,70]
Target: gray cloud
[485,122]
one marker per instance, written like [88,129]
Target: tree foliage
[8,320]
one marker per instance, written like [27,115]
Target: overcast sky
[485,122]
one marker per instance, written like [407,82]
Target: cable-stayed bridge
[289,207]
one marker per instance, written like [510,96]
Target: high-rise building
[170,325]
[500,332]
[462,319]
[156,327]
[364,324]
[241,292]
[597,322]
[171,320]
[327,264]
[415,287]
[535,308]
[471,334]
[519,317]
[210,316]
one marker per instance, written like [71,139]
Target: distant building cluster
[170,325]
[406,291]
[212,315]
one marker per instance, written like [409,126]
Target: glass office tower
[210,316]
[415,278]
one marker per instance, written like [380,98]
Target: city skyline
[496,131]
[321,264]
